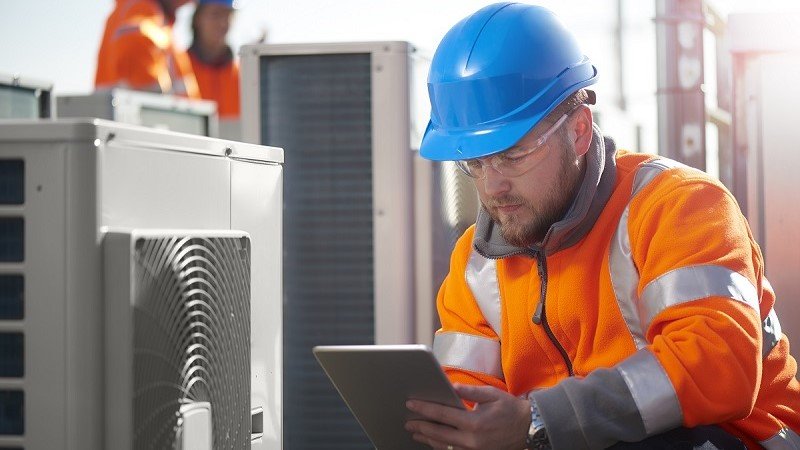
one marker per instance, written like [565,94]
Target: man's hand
[498,421]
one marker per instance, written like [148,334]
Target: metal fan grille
[191,337]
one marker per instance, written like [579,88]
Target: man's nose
[495,183]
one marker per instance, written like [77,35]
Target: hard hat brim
[442,145]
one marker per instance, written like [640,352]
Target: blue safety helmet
[495,75]
[228,3]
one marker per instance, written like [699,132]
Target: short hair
[579,97]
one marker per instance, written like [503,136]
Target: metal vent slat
[318,109]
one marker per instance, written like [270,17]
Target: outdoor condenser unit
[140,289]
[150,109]
[24,98]
[365,242]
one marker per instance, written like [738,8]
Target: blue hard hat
[495,75]
[228,3]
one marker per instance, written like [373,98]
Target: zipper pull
[537,316]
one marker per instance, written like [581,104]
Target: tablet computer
[376,380]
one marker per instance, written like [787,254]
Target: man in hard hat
[138,52]
[213,62]
[603,298]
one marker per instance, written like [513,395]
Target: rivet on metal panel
[378,68]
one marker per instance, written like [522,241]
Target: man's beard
[555,205]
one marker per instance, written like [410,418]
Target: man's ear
[580,129]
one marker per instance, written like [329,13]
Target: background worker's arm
[141,59]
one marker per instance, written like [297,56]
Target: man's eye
[474,164]
[512,155]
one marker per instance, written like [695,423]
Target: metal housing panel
[43,381]
[256,205]
[147,187]
[766,69]
[779,217]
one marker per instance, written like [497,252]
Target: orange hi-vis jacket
[644,309]
[218,81]
[137,52]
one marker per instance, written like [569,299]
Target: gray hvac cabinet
[366,231]
[140,289]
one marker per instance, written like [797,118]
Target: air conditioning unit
[140,289]
[150,109]
[24,98]
[365,234]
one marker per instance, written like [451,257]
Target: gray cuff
[590,413]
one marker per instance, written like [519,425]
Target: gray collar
[598,182]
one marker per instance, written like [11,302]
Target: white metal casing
[340,111]
[391,167]
[162,111]
[38,91]
[766,70]
[84,175]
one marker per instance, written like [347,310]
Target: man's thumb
[477,394]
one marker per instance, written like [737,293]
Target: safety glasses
[513,162]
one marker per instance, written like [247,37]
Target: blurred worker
[603,298]
[214,65]
[138,52]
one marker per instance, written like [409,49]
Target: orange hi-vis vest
[644,309]
[137,52]
[218,82]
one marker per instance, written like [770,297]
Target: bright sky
[57,40]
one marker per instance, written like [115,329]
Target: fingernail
[411,405]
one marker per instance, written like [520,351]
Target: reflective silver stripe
[625,279]
[652,392]
[624,275]
[481,275]
[692,283]
[786,439]
[468,352]
[771,333]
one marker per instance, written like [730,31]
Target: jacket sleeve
[141,57]
[696,299]
[466,345]
[699,296]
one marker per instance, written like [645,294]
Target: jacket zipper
[540,316]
